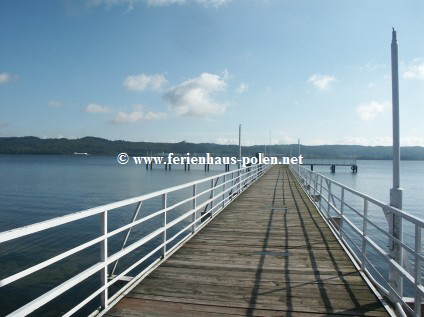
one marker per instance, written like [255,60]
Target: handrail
[351,221]
[222,192]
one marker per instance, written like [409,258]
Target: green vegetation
[99,146]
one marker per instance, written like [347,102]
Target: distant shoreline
[102,147]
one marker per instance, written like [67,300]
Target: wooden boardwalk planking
[257,258]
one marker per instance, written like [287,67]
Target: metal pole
[270,143]
[239,165]
[298,146]
[396,251]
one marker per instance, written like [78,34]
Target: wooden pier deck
[269,253]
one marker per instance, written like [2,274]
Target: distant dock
[332,163]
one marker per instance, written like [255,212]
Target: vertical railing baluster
[223,190]
[212,195]
[364,234]
[164,204]
[103,258]
[417,301]
[341,214]
[329,198]
[320,195]
[193,228]
[239,180]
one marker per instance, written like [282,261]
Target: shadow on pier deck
[269,253]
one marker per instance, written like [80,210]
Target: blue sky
[193,70]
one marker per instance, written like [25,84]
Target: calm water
[374,178]
[36,188]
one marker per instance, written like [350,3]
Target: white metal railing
[204,205]
[361,223]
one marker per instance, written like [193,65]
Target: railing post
[320,194]
[212,194]
[193,228]
[103,258]
[417,300]
[223,190]
[329,198]
[239,180]
[364,234]
[164,203]
[341,214]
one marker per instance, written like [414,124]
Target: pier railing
[361,223]
[178,218]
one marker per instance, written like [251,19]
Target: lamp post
[239,165]
[395,222]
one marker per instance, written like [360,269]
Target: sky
[193,70]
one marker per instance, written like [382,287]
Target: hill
[99,146]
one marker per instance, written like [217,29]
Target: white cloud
[157,3]
[138,115]
[55,104]
[369,111]
[144,82]
[243,87]
[415,70]
[5,77]
[322,82]
[193,98]
[95,108]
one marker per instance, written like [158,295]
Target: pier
[269,253]
[332,163]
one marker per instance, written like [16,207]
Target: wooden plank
[268,253]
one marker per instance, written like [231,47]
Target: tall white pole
[298,149]
[270,143]
[298,146]
[239,146]
[395,222]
